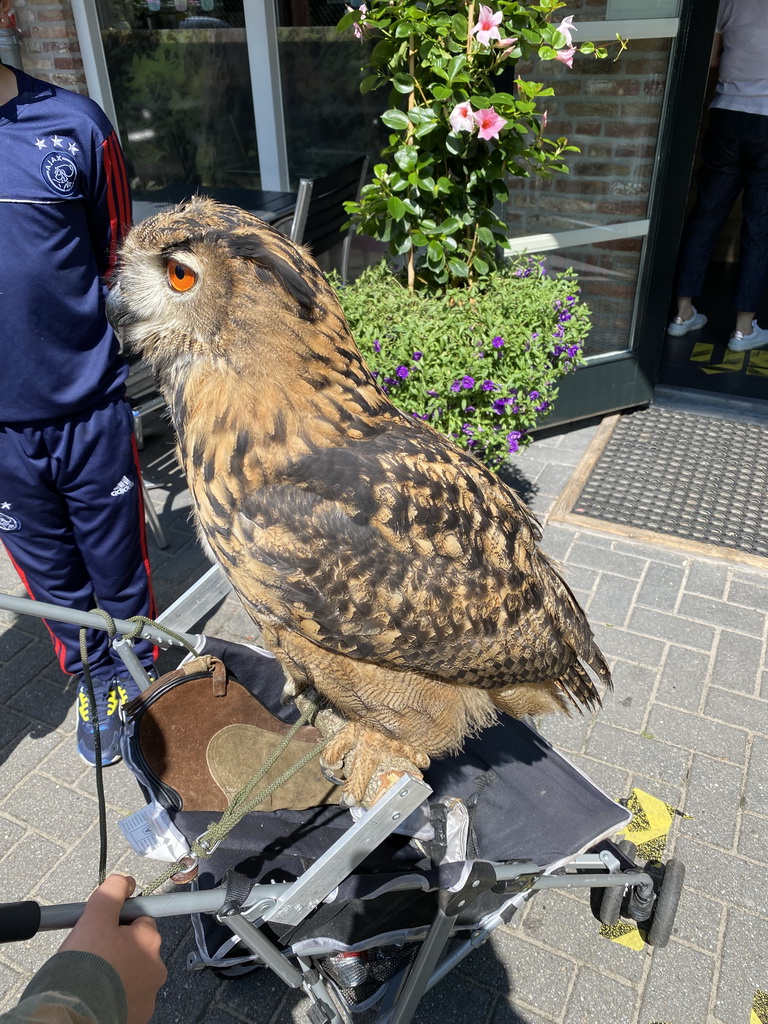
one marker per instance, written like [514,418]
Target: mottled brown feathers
[383,564]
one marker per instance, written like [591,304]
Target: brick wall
[49,47]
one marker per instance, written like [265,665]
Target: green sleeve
[72,988]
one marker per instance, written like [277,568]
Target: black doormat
[695,477]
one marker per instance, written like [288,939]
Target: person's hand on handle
[132,949]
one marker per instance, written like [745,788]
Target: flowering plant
[479,365]
[460,123]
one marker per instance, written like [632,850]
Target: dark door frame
[626,379]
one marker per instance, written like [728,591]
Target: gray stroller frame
[244,908]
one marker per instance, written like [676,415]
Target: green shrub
[480,364]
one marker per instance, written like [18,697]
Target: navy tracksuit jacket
[71,514]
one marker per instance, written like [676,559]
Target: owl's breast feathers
[340,518]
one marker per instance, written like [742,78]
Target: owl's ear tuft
[285,267]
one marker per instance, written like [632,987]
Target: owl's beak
[117,311]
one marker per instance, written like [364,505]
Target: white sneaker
[679,327]
[757,337]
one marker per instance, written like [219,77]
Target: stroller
[363,910]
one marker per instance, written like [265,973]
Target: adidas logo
[123,486]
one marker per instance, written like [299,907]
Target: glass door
[616,217]
[181,91]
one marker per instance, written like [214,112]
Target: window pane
[608,273]
[328,121]
[182,92]
[611,110]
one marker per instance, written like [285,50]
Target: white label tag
[152,833]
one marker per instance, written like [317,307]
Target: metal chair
[319,216]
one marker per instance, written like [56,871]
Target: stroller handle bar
[89,620]
[24,919]
[20,921]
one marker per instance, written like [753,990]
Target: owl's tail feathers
[579,686]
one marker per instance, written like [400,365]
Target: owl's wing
[410,554]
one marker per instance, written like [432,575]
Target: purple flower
[558,351]
[513,440]
[573,351]
[468,382]
[402,372]
[565,316]
[558,332]
[498,342]
[433,394]
[534,336]
[377,346]
[542,407]
[456,386]
[417,356]
[570,298]
[533,394]
[470,408]
[467,429]
[488,385]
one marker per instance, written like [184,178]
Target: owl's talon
[327,771]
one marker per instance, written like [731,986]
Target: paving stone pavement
[687,722]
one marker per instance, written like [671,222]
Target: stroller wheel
[667,901]
[612,897]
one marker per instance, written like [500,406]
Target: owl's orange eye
[180,277]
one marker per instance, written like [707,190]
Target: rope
[142,620]
[240,805]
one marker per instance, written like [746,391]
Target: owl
[383,565]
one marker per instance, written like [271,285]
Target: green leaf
[403,83]
[499,99]
[458,267]
[395,119]
[442,92]
[450,224]
[454,143]
[396,208]
[485,235]
[435,254]
[348,20]
[368,83]
[406,158]
[455,65]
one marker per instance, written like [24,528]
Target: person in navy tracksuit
[71,514]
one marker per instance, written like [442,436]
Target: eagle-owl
[382,563]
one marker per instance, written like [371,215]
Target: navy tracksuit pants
[72,520]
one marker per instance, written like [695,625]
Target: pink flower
[508,42]
[461,117]
[489,123]
[565,27]
[566,56]
[544,119]
[359,28]
[487,27]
